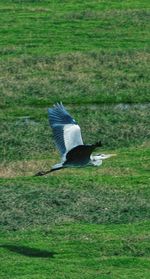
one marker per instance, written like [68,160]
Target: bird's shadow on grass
[28,251]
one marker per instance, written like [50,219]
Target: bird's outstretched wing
[67,133]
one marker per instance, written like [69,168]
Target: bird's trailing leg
[40,173]
[54,168]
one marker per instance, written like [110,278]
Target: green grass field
[91,223]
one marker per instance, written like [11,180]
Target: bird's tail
[57,167]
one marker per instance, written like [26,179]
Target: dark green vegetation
[91,199]
[91,223]
[93,77]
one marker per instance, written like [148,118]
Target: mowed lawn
[91,223]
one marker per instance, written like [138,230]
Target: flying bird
[68,139]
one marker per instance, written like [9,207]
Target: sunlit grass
[95,251]
[88,223]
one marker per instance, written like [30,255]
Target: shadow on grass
[27,251]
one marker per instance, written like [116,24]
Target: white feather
[96,160]
[72,136]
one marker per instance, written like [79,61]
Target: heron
[68,139]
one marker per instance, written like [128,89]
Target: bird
[68,139]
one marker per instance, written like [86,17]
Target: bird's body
[79,156]
[68,139]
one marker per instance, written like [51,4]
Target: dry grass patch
[23,168]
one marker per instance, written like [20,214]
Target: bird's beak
[109,155]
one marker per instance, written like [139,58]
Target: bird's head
[97,160]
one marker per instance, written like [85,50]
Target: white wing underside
[66,131]
[72,137]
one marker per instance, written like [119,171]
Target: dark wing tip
[58,114]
